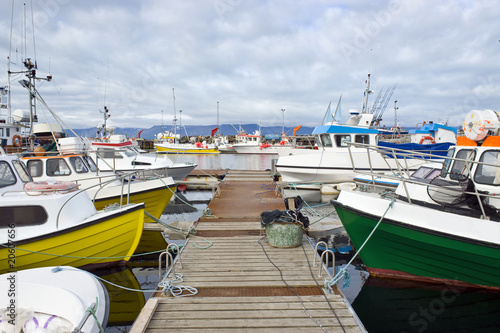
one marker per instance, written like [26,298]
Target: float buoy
[427,138]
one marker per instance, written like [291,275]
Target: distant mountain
[193,130]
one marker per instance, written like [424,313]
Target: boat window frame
[35,165]
[90,163]
[341,139]
[478,172]
[447,162]
[5,167]
[23,216]
[326,140]
[73,160]
[22,171]
[462,164]
[362,138]
[53,173]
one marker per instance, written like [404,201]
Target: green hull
[400,250]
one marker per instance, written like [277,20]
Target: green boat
[446,228]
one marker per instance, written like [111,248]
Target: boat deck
[244,284]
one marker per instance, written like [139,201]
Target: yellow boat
[53,224]
[168,147]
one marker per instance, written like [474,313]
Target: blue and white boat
[333,161]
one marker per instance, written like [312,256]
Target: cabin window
[447,162]
[461,167]
[22,171]
[22,216]
[326,140]
[57,167]
[7,176]
[90,163]
[35,168]
[488,173]
[78,164]
[426,173]
[1,131]
[342,140]
[362,138]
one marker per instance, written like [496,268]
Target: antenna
[396,108]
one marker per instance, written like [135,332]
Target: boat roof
[432,127]
[343,129]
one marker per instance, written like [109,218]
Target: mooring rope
[343,271]
[260,241]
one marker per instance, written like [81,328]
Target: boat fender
[16,140]
[427,138]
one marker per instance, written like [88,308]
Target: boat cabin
[338,136]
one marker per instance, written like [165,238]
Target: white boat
[103,188]
[334,160]
[120,155]
[53,299]
[248,143]
[54,223]
[440,229]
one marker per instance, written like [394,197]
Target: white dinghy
[53,299]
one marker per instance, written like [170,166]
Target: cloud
[256,58]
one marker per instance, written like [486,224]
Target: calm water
[383,305]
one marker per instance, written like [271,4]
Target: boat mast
[367,92]
[396,121]
[175,116]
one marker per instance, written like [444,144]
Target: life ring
[17,141]
[45,187]
[427,138]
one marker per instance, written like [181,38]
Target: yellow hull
[155,201]
[103,242]
[187,150]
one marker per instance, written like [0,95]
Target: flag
[214,131]
[296,129]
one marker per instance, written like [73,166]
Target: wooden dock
[244,284]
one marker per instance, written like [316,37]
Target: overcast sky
[255,58]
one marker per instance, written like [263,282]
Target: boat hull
[104,241]
[412,250]
[335,167]
[155,201]
[186,150]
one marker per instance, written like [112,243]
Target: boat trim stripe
[386,220]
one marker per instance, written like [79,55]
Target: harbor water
[383,305]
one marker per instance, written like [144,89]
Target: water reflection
[389,305]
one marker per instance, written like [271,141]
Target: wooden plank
[145,316]
[256,323]
[307,329]
[245,284]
